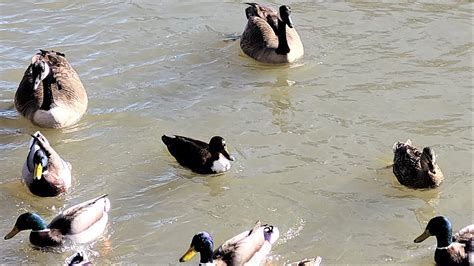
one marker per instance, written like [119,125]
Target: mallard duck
[457,250]
[51,93]
[199,156]
[249,247]
[414,168]
[79,258]
[44,172]
[81,223]
[267,38]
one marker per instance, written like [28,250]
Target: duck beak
[227,155]
[12,233]
[423,236]
[188,255]
[38,171]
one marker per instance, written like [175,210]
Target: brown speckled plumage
[414,168]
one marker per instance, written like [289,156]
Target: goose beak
[12,233]
[188,255]
[38,171]
[422,237]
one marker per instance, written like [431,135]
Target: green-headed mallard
[414,168]
[44,172]
[249,247]
[199,156]
[450,250]
[51,93]
[267,38]
[81,223]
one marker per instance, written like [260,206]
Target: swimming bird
[199,156]
[249,247]
[457,250]
[81,223]
[414,168]
[79,258]
[266,37]
[51,93]
[44,172]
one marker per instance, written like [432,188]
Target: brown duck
[416,169]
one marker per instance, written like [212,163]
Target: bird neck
[48,99]
[283,47]
[206,257]
[444,239]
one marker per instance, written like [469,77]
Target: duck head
[40,163]
[217,145]
[428,160]
[440,227]
[285,15]
[202,243]
[27,221]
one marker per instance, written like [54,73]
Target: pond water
[311,139]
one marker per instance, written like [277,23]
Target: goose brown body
[269,37]
[51,93]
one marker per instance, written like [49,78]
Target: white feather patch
[221,165]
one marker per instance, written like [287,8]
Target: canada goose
[414,168]
[51,93]
[44,172]
[199,156]
[247,248]
[81,223]
[450,250]
[266,37]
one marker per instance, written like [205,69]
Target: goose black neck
[48,99]
[283,47]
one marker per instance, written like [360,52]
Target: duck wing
[80,217]
[241,248]
[188,152]
[465,234]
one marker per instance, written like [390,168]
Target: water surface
[311,139]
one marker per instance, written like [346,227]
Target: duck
[200,157]
[79,224]
[249,247]
[44,172]
[416,169]
[450,250]
[79,258]
[270,37]
[51,94]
